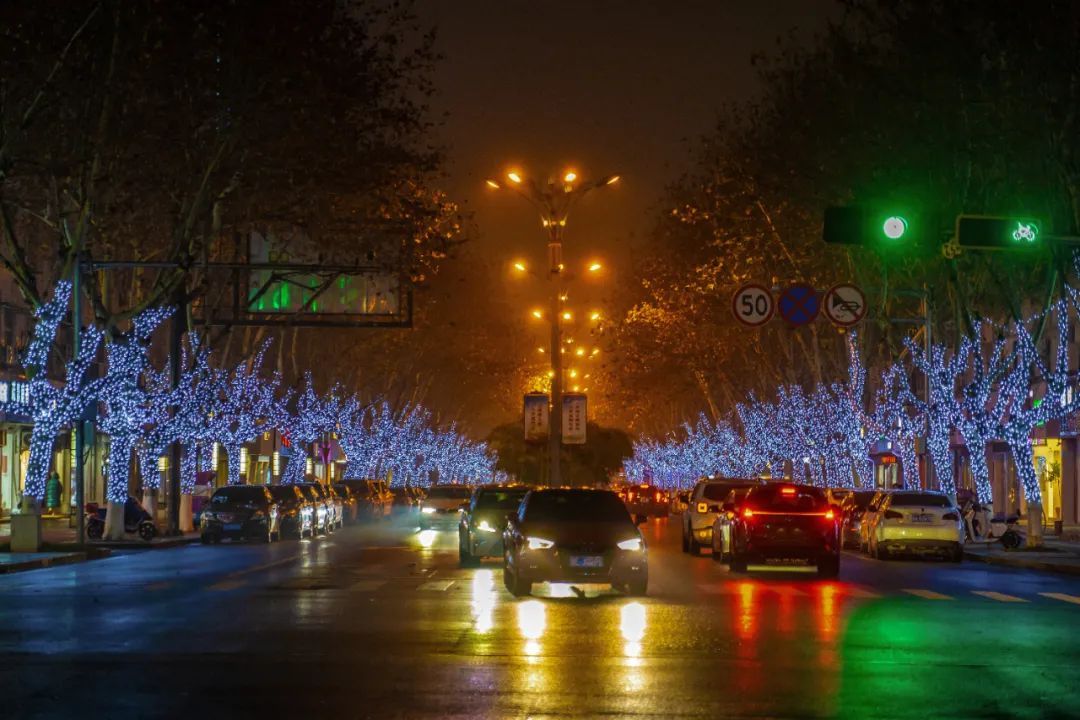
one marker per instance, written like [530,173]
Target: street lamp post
[553,202]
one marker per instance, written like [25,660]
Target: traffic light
[871,226]
[997,233]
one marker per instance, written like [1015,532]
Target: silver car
[704,506]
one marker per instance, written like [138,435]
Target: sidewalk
[1057,555]
[60,546]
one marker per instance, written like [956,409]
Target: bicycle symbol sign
[753,305]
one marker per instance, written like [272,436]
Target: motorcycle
[981,527]
[136,520]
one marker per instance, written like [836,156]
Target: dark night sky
[603,86]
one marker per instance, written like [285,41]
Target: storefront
[1047,453]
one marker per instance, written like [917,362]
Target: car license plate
[922,518]
[232,526]
[586,561]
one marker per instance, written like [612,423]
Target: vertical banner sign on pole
[574,419]
[536,417]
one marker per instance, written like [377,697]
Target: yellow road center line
[1063,597]
[1000,597]
[927,594]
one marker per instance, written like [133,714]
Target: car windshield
[919,500]
[449,492]
[283,492]
[787,498]
[719,491]
[500,499]
[576,505]
[239,494]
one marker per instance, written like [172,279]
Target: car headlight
[427,510]
[485,526]
[536,543]
[631,544]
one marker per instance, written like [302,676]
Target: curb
[1065,569]
[140,545]
[38,563]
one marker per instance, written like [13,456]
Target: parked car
[241,512]
[869,515]
[374,498]
[788,523]
[729,512]
[350,502]
[297,512]
[481,526]
[403,499]
[647,501]
[573,535]
[705,499]
[837,495]
[443,504]
[922,521]
[323,508]
[851,514]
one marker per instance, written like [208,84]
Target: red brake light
[747,513]
[829,515]
[787,491]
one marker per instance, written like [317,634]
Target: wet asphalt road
[378,621]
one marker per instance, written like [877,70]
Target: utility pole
[176,336]
[555,415]
[76,331]
[552,201]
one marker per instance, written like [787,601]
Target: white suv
[704,506]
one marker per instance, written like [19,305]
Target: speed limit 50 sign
[753,304]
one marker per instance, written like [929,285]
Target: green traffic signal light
[894,227]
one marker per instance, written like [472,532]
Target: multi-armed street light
[553,201]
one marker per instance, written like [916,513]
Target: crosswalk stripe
[228,585]
[927,594]
[436,585]
[1000,597]
[367,585]
[1063,597]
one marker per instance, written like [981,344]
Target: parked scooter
[981,527]
[136,520]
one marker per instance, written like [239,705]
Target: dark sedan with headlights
[482,523]
[570,535]
[241,512]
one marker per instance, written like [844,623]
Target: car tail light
[747,513]
[829,515]
[893,515]
[657,497]
[787,491]
[702,508]
[950,516]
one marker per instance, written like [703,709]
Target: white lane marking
[367,585]
[1063,597]
[436,585]
[927,594]
[1000,597]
